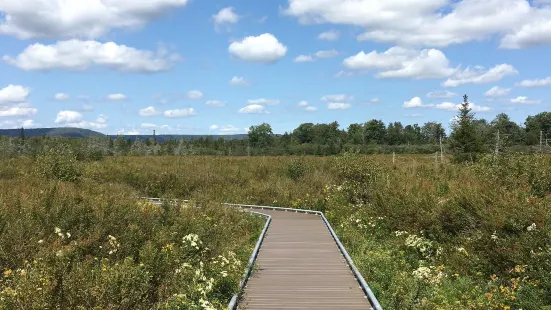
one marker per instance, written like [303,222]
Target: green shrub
[58,163]
[296,169]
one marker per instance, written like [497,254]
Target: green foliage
[465,139]
[296,168]
[58,163]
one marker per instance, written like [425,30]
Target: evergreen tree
[465,141]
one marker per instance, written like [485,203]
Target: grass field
[424,236]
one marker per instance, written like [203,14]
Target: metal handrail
[233,302]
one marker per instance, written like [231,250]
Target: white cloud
[149,111]
[178,113]
[77,55]
[264,48]
[452,107]
[304,58]
[239,81]
[194,94]
[415,102]
[331,35]
[375,100]
[215,103]
[307,107]
[497,91]
[435,23]
[116,97]
[14,94]
[524,100]
[19,109]
[64,117]
[29,123]
[414,115]
[262,101]
[398,62]
[253,109]
[102,119]
[31,19]
[149,126]
[229,129]
[61,96]
[225,16]
[310,109]
[338,106]
[478,75]
[441,94]
[337,97]
[213,127]
[535,83]
[303,104]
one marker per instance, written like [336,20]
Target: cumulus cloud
[338,106]
[303,58]
[213,127]
[74,119]
[116,97]
[535,83]
[179,113]
[61,96]
[416,102]
[331,35]
[264,48]
[149,111]
[497,91]
[148,126]
[32,19]
[239,81]
[25,123]
[441,94]
[306,106]
[225,17]
[77,55]
[64,117]
[19,109]
[228,129]
[398,62]
[253,109]
[524,100]
[14,94]
[479,75]
[215,103]
[433,23]
[194,94]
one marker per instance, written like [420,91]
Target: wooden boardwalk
[301,267]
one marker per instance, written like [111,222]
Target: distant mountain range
[83,133]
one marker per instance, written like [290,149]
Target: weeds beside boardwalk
[424,237]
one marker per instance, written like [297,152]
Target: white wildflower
[40,241]
[399,233]
[531,227]
[224,273]
[57,230]
[494,236]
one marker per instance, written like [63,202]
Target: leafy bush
[296,169]
[58,163]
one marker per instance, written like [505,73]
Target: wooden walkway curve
[301,265]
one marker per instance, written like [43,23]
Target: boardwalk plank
[301,267]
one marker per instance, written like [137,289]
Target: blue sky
[195,67]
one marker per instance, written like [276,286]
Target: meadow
[424,236]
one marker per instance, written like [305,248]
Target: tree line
[468,136]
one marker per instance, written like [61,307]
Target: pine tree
[465,142]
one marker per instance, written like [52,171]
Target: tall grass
[424,236]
